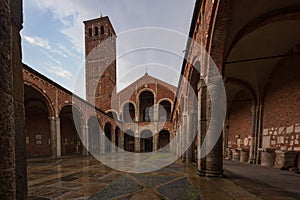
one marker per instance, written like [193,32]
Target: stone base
[208,173]
[285,160]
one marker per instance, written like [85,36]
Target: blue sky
[53,40]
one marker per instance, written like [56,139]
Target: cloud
[37,41]
[59,71]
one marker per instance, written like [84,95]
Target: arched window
[146,106]
[128,112]
[90,32]
[102,30]
[96,31]
[165,111]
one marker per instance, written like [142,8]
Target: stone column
[252,153]
[113,140]
[259,132]
[85,140]
[214,157]
[155,114]
[58,138]
[52,137]
[155,141]
[137,145]
[184,137]
[189,154]
[202,122]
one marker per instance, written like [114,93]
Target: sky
[151,35]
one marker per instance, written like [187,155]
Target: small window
[109,32]
[90,32]
[102,30]
[96,31]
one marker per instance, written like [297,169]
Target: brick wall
[240,121]
[281,121]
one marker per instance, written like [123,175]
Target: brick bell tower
[100,61]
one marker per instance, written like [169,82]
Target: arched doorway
[37,124]
[70,140]
[146,141]
[108,134]
[146,106]
[163,139]
[129,141]
[94,135]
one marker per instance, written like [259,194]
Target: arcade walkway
[86,178]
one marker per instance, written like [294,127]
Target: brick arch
[48,102]
[243,84]
[284,14]
[77,107]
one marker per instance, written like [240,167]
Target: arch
[146,106]
[71,122]
[108,134]
[165,110]
[163,139]
[129,140]
[146,141]
[128,112]
[94,135]
[46,97]
[37,124]
[284,14]
[112,113]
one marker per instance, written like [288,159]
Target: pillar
[53,137]
[189,154]
[12,152]
[259,132]
[113,140]
[85,140]
[212,165]
[202,122]
[183,137]
[58,138]
[252,153]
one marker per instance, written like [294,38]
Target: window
[96,31]
[102,30]
[90,32]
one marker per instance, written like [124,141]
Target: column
[137,145]
[113,140]
[202,121]
[85,140]
[259,132]
[183,137]
[213,158]
[52,137]
[252,153]
[58,138]
[189,154]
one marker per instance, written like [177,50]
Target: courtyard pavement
[86,178]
